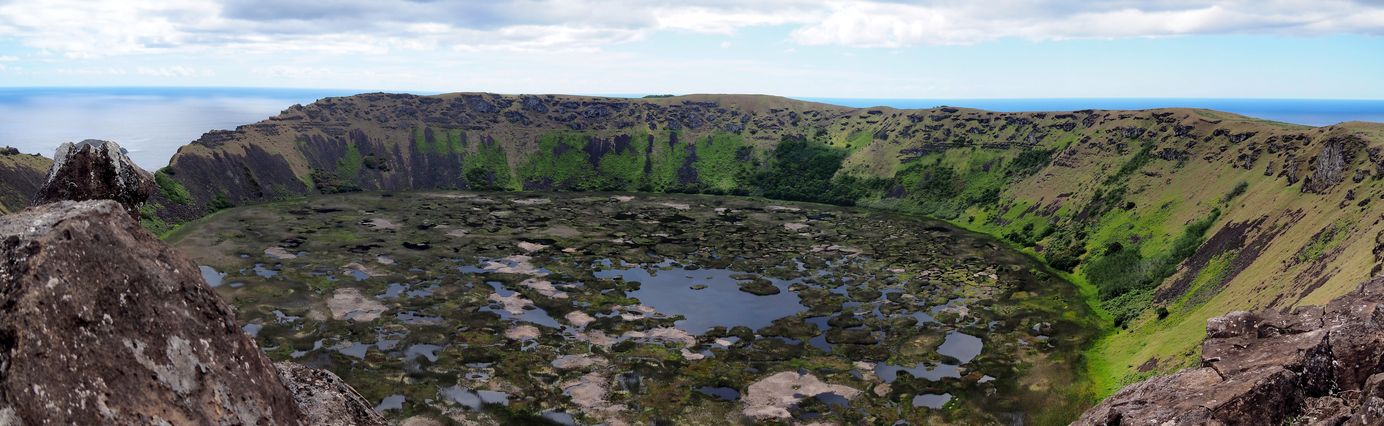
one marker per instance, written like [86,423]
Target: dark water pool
[720,303]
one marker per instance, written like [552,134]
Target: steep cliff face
[20,177]
[1166,217]
[484,141]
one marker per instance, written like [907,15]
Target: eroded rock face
[96,170]
[101,323]
[326,400]
[1312,365]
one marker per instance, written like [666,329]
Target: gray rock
[96,170]
[325,399]
[102,323]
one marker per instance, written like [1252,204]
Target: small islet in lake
[571,308]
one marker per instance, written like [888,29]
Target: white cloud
[98,28]
[93,71]
[290,71]
[880,24]
[4,58]
[726,18]
[174,71]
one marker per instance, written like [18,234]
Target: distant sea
[153,122]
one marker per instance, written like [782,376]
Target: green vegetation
[349,165]
[1139,160]
[1235,192]
[1028,162]
[170,188]
[1126,277]
[1115,214]
[1323,242]
[487,169]
[220,202]
[328,182]
[722,162]
[149,219]
[439,141]
[562,162]
[804,170]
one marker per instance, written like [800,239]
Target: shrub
[170,188]
[220,203]
[804,170]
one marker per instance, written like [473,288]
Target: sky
[1331,49]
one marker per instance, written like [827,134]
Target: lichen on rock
[96,170]
[103,323]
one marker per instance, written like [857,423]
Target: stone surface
[1310,366]
[771,397]
[96,170]
[100,322]
[325,399]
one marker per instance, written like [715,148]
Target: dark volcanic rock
[101,323]
[325,399]
[1313,365]
[96,170]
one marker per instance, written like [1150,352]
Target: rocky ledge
[102,323]
[1316,365]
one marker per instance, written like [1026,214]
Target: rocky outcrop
[100,322]
[1310,366]
[96,170]
[1330,166]
[325,399]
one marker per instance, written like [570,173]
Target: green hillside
[20,177]
[1164,218]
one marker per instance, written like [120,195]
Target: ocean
[153,122]
[150,123]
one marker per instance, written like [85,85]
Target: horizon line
[635,95]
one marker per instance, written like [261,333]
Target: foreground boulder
[101,323]
[1309,366]
[96,170]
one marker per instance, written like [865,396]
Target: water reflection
[212,276]
[931,400]
[721,303]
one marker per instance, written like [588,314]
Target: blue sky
[843,49]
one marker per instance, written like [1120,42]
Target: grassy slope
[21,175]
[1076,189]
[1167,196]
